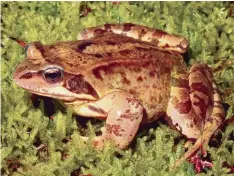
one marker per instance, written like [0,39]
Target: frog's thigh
[106,28]
[124,117]
[86,33]
[94,31]
[160,38]
[179,110]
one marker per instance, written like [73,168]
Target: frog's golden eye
[53,74]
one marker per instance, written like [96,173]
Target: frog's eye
[53,74]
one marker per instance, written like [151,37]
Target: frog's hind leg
[207,105]
[205,111]
[124,115]
[160,38]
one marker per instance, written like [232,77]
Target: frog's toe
[199,163]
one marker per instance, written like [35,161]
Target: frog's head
[44,73]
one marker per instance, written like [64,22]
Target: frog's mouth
[50,94]
[56,93]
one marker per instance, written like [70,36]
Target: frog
[127,75]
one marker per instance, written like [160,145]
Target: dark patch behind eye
[77,84]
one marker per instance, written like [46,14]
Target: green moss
[33,143]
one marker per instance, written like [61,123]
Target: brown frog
[127,75]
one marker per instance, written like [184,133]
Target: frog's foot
[200,143]
[200,164]
[195,107]
[124,115]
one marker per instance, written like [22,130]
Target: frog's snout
[22,74]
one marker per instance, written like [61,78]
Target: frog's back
[139,68]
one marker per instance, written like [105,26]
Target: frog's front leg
[124,114]
[195,106]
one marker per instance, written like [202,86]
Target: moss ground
[33,143]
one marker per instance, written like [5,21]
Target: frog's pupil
[53,75]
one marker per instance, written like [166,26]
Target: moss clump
[33,143]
